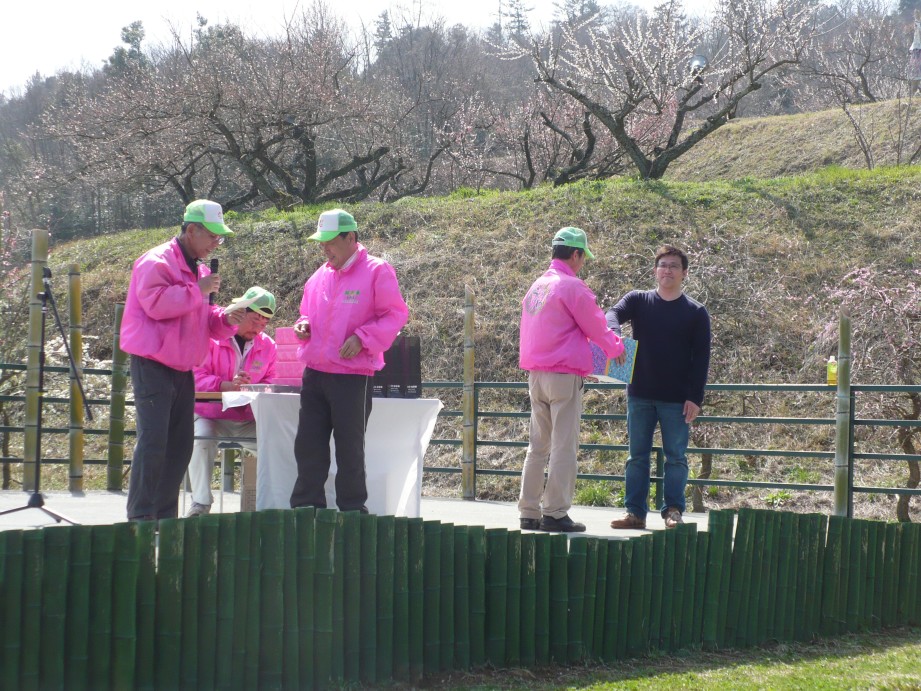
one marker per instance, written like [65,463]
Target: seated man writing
[248,357]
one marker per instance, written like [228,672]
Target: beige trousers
[201,466]
[553,444]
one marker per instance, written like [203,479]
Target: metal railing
[479,442]
[828,455]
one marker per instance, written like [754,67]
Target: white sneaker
[198,510]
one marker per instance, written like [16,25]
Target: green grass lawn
[890,660]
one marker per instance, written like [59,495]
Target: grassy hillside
[765,254]
[771,147]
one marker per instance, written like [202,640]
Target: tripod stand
[36,500]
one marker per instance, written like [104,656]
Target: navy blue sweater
[673,355]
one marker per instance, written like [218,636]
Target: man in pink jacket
[166,327]
[351,312]
[247,357]
[559,317]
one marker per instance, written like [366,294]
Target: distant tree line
[318,114]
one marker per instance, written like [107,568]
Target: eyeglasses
[670,267]
[212,236]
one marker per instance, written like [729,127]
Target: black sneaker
[530,523]
[560,525]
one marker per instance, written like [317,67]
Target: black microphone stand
[36,500]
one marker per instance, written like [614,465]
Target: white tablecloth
[399,431]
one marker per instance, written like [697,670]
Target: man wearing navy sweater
[672,362]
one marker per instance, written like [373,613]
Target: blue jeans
[642,416]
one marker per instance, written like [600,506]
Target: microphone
[213,271]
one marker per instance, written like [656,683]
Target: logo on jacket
[536,298]
[351,297]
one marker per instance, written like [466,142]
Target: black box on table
[402,373]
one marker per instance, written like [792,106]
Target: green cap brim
[326,235]
[216,228]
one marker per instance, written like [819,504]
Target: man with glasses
[672,363]
[166,327]
[247,357]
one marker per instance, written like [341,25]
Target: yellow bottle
[832,371]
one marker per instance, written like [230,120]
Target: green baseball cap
[257,299]
[209,214]
[573,237]
[332,223]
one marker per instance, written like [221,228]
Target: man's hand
[236,317]
[238,381]
[350,348]
[302,330]
[621,359]
[209,284]
[691,411]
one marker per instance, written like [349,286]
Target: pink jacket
[559,316]
[362,299]
[221,366]
[167,318]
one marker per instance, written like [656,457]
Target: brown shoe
[629,522]
[672,517]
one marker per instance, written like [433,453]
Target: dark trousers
[337,405]
[164,399]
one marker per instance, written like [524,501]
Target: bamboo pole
[370,556]
[78,610]
[476,534]
[385,597]
[612,604]
[224,590]
[446,634]
[468,436]
[75,312]
[33,547]
[416,559]
[272,605]
[11,603]
[842,419]
[578,553]
[528,599]
[462,598]
[190,641]
[102,585]
[431,597]
[116,452]
[542,631]
[208,630]
[400,599]
[126,567]
[55,577]
[34,350]
[305,519]
[601,598]
[350,522]
[513,601]
[497,595]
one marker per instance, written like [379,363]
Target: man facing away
[351,312]
[247,357]
[672,363]
[166,327]
[559,316]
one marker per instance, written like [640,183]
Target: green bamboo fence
[314,599]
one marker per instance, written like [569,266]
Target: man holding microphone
[166,327]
